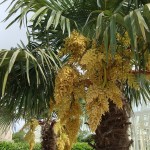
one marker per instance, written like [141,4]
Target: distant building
[141,127]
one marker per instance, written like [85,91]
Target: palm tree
[100,20]
[27,76]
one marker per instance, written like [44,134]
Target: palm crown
[52,21]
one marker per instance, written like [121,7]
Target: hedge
[16,146]
[25,146]
[81,146]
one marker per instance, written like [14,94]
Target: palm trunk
[48,136]
[112,133]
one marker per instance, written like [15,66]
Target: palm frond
[28,73]
[27,80]
[109,21]
[53,13]
[139,96]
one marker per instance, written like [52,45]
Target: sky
[10,37]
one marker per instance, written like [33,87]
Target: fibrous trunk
[48,136]
[112,133]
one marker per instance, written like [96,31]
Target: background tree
[110,25]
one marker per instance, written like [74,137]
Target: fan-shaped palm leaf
[27,80]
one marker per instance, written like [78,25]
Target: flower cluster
[93,75]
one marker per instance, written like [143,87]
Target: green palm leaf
[28,80]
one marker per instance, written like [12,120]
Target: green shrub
[85,137]
[25,146]
[82,135]
[81,146]
[18,136]
[37,147]
[16,146]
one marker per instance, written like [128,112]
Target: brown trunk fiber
[48,136]
[112,133]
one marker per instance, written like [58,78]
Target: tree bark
[48,136]
[112,133]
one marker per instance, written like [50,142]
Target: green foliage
[17,146]
[24,74]
[18,137]
[88,139]
[25,146]
[82,136]
[13,146]
[81,146]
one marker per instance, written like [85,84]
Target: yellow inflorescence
[73,122]
[148,63]
[52,106]
[67,130]
[92,62]
[95,110]
[60,144]
[97,105]
[148,67]
[65,80]
[113,93]
[75,45]
[30,136]
[101,81]
[125,40]
[79,91]
[62,138]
